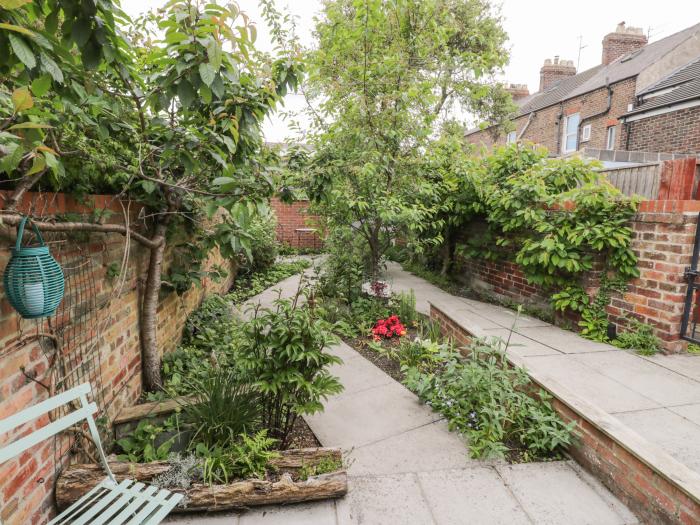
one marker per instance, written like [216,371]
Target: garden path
[658,397]
[407,468]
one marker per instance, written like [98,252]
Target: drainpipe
[559,132]
[607,109]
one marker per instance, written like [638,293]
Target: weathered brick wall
[26,482]
[676,132]
[544,128]
[663,239]
[292,220]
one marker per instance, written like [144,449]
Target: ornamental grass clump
[494,405]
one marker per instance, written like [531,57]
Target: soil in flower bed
[302,436]
[382,361]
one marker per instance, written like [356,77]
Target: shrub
[225,407]
[264,249]
[640,337]
[283,355]
[388,328]
[403,304]
[344,268]
[141,445]
[485,399]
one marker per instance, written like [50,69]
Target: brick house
[598,108]
[667,114]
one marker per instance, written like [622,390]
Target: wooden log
[151,409]
[76,480]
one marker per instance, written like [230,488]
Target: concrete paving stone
[686,365]
[645,377]
[384,500]
[357,374]
[343,351]
[519,344]
[507,318]
[554,493]
[690,412]
[590,384]
[430,447]
[369,416]
[470,321]
[315,513]
[475,495]
[563,340]
[674,433]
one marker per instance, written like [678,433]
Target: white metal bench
[110,502]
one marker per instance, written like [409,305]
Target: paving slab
[506,317]
[210,518]
[553,493]
[368,416]
[686,365]
[690,412]
[676,434]
[563,340]
[519,344]
[591,384]
[384,500]
[430,447]
[358,374]
[645,377]
[477,495]
[316,513]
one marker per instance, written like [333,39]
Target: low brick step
[655,486]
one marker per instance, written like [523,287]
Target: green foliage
[354,319]
[488,401]
[283,354]
[429,329]
[140,446]
[640,337]
[225,407]
[385,74]
[263,243]
[403,304]
[325,466]
[250,285]
[693,349]
[344,268]
[594,316]
[246,458]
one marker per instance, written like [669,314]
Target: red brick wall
[663,237]
[26,482]
[674,132]
[294,217]
[544,126]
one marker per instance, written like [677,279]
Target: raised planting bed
[286,482]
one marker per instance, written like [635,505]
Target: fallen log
[77,480]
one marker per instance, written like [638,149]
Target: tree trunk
[150,359]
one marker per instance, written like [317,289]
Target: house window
[511,137]
[586,133]
[610,141]
[570,133]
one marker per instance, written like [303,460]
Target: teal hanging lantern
[34,282]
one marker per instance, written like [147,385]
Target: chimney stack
[518,91]
[554,70]
[623,41]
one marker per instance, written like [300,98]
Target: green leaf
[22,50]
[206,73]
[91,54]
[205,93]
[48,65]
[41,85]
[17,29]
[214,54]
[30,125]
[185,93]
[22,99]
[81,32]
[13,4]
[38,165]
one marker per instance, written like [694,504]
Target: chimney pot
[623,41]
[553,71]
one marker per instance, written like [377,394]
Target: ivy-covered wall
[109,320]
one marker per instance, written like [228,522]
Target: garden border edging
[655,486]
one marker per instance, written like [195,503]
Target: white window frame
[567,133]
[586,133]
[610,138]
[511,137]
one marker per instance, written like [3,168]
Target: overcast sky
[537,29]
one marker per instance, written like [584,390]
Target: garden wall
[296,227]
[663,237]
[98,329]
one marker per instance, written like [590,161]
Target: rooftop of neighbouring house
[683,85]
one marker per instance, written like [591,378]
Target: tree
[386,75]
[173,102]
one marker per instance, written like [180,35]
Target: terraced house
[641,97]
